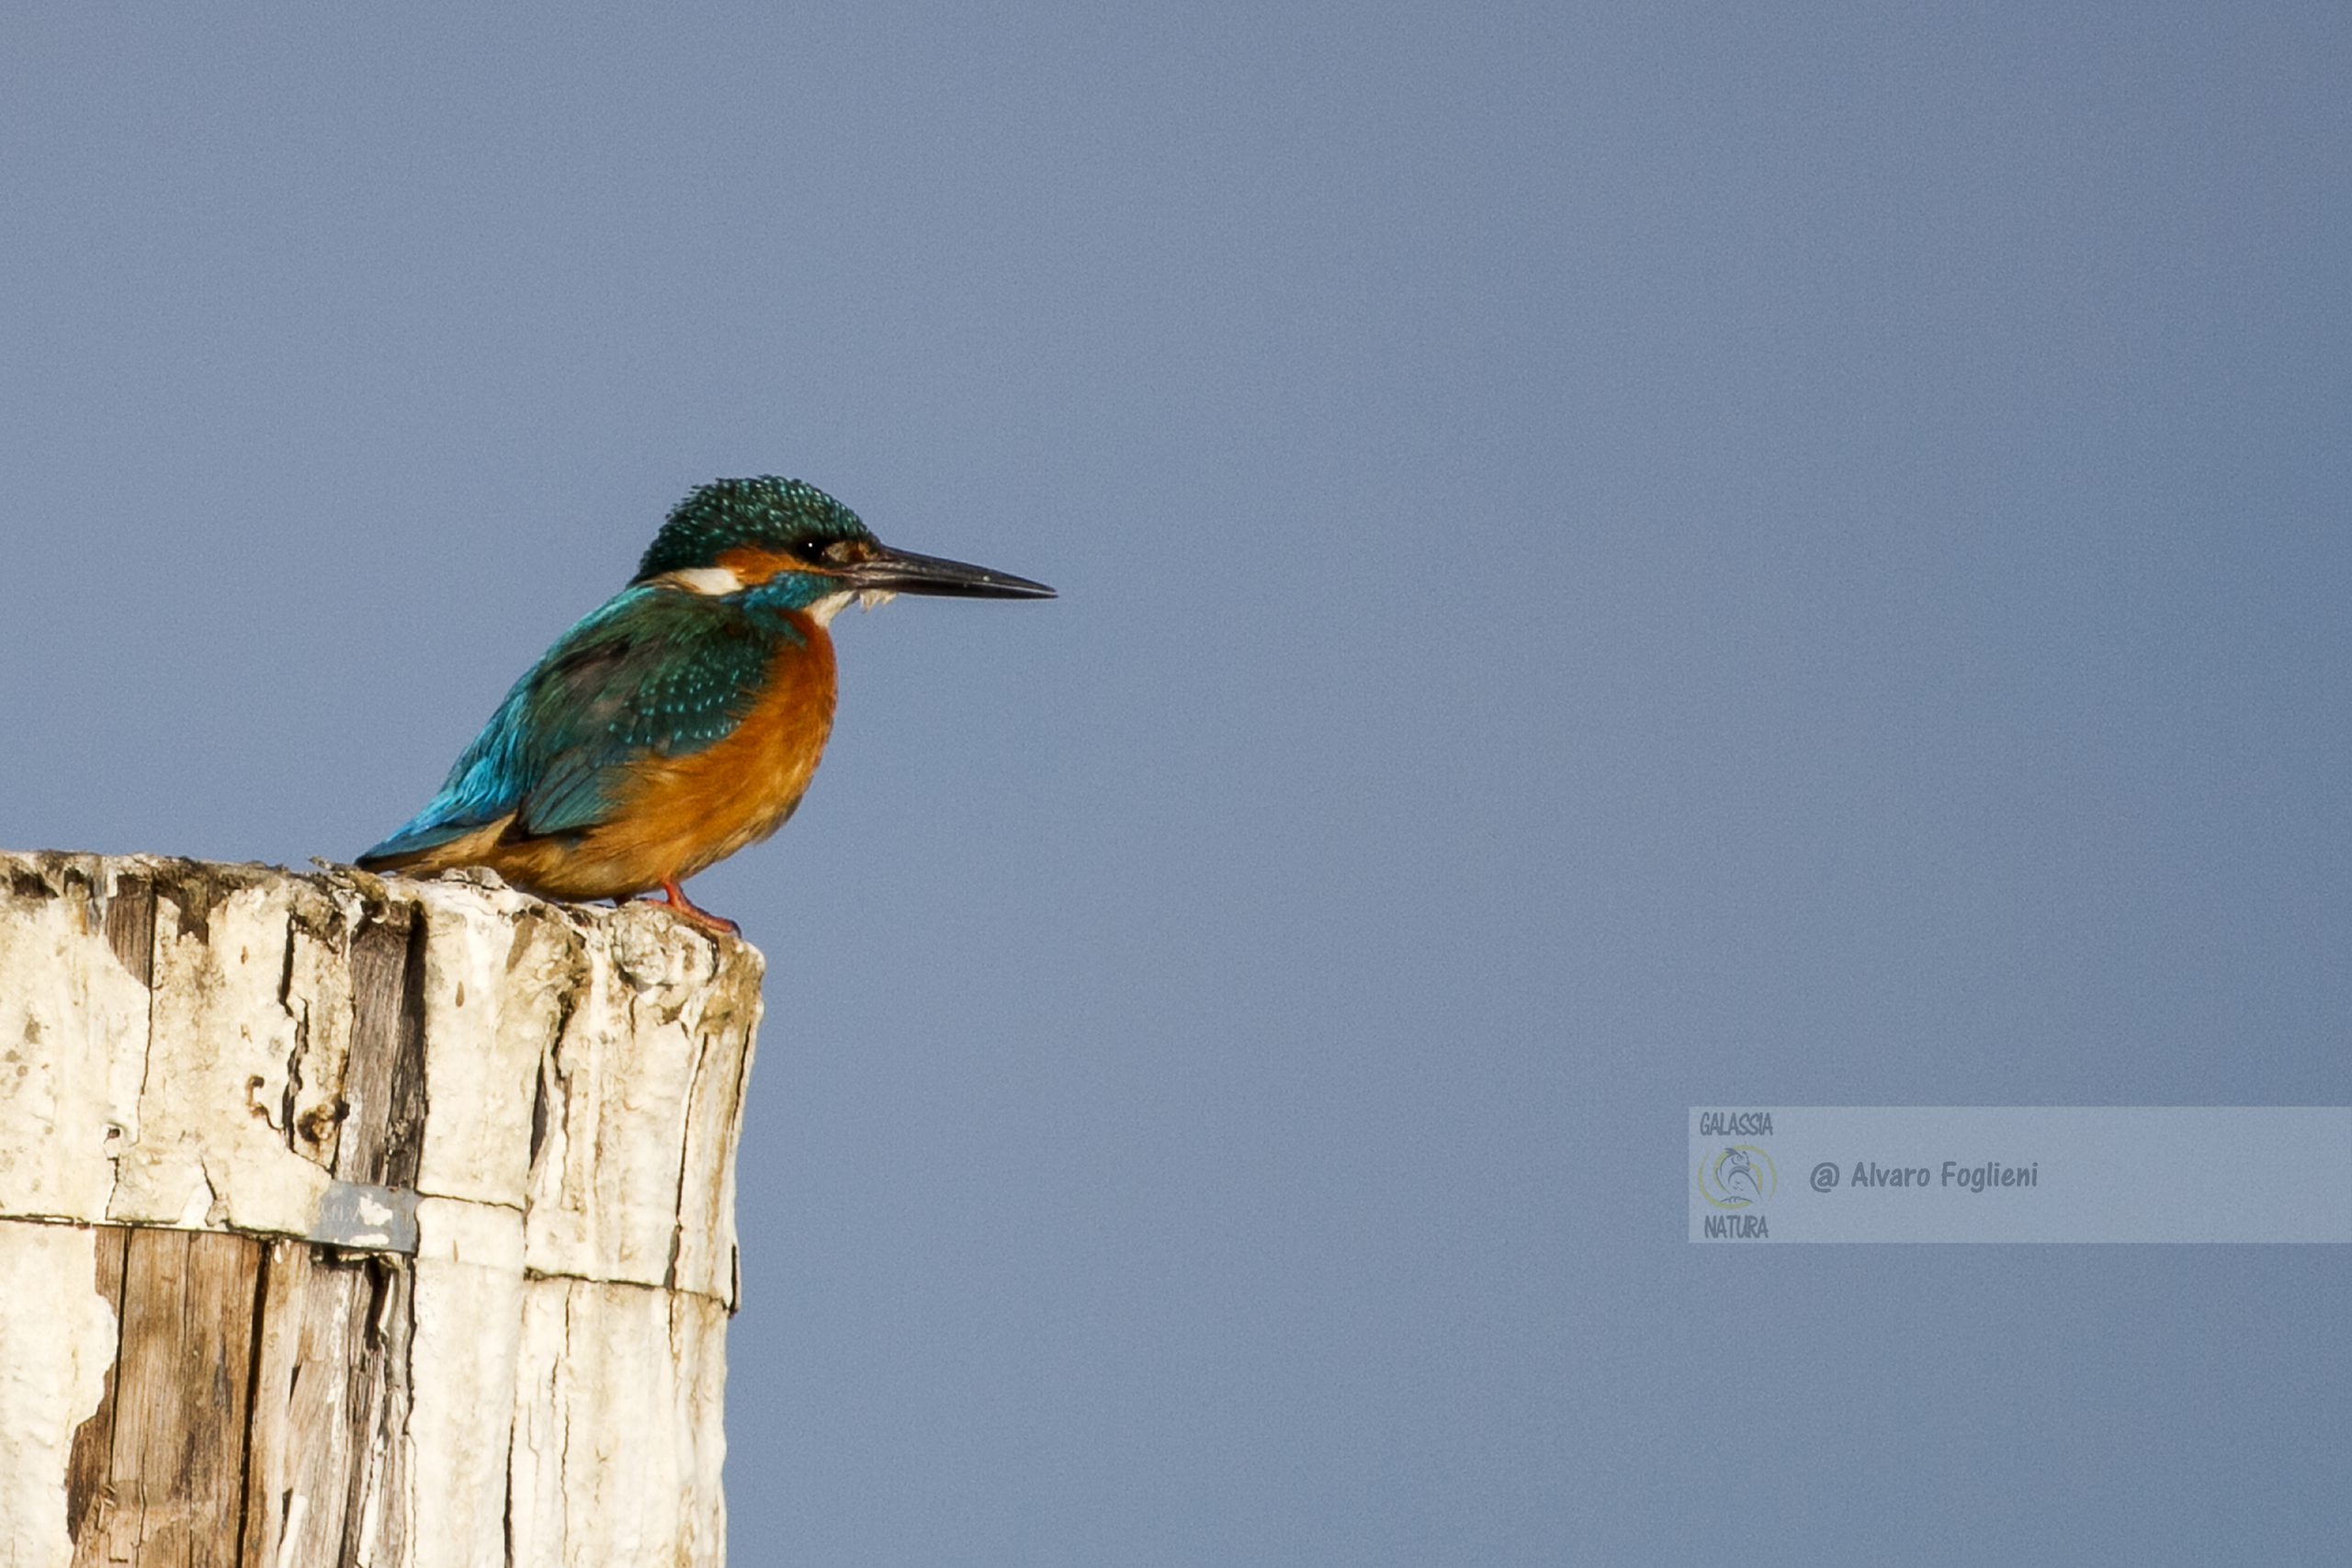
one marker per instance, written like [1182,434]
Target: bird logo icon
[1739,1177]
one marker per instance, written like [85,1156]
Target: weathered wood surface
[347,1220]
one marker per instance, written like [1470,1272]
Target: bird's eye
[816,552]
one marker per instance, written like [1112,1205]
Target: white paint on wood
[707,1246]
[72,1051]
[469,1298]
[318,1003]
[211,1149]
[617,1451]
[500,969]
[57,1339]
[657,1024]
[558,1335]
[585,1067]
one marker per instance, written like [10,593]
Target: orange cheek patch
[755,565]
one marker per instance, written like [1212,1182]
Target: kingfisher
[683,720]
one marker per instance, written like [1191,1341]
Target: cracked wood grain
[175,1462]
[330,1386]
[202,1066]
[87,1485]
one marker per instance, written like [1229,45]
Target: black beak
[902,571]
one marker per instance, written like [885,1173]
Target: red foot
[676,896]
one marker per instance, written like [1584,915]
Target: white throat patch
[823,611]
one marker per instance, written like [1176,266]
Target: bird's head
[797,544]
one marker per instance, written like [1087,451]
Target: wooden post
[355,1221]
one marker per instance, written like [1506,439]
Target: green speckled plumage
[656,670]
[728,514]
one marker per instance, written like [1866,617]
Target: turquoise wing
[657,672]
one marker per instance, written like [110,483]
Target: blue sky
[1612,559]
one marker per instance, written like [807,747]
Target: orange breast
[689,812]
